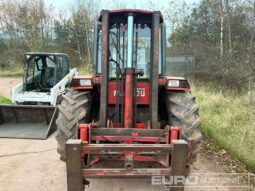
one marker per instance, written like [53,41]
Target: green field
[229,120]
[4,100]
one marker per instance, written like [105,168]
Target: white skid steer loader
[33,111]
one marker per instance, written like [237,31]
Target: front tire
[74,108]
[182,111]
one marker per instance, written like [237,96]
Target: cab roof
[45,54]
[142,16]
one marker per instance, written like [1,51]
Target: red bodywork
[75,83]
[142,93]
[143,100]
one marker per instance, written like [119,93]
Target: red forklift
[129,119]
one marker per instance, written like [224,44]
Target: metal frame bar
[25,65]
[128,132]
[129,139]
[117,148]
[120,172]
[95,47]
[104,69]
[179,160]
[130,41]
[74,165]
[154,70]
[1,117]
[129,98]
[163,46]
[76,174]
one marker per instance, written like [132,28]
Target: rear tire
[182,111]
[74,108]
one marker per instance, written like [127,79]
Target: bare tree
[250,24]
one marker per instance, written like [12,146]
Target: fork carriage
[131,152]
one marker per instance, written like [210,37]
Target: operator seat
[47,78]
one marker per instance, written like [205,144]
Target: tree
[220,35]
[83,19]
[23,26]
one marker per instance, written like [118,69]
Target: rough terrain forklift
[129,119]
[33,111]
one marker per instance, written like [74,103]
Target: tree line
[30,25]
[220,35]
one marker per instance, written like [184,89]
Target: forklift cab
[141,52]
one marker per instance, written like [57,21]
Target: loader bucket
[27,121]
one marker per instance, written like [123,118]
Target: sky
[66,5]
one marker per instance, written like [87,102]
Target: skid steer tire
[182,111]
[74,108]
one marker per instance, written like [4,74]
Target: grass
[4,100]
[18,72]
[229,120]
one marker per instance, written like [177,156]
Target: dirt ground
[34,165]
[6,85]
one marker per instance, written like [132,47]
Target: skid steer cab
[46,76]
[33,111]
[129,119]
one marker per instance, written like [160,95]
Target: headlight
[173,83]
[85,82]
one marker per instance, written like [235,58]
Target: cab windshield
[118,49]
